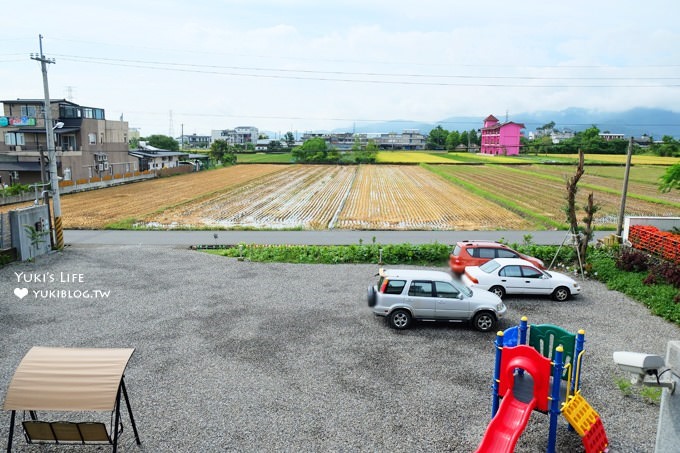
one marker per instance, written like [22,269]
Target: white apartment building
[241,135]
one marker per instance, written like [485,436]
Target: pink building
[500,138]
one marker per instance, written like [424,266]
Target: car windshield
[489,266]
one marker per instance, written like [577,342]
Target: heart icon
[21,292]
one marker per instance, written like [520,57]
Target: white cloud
[479,47]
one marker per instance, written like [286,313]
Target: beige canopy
[67,379]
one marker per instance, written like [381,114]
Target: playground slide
[508,424]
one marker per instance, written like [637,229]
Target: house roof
[34,101]
[500,125]
[490,118]
[158,153]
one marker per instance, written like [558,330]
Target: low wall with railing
[80,185]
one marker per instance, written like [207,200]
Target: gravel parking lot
[278,357]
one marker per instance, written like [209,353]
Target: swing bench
[70,380]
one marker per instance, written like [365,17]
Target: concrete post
[668,431]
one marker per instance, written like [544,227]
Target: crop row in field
[297,197]
[99,208]
[621,159]
[363,197]
[546,197]
[398,197]
[642,180]
[349,197]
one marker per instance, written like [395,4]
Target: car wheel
[400,319]
[498,290]
[371,296]
[484,321]
[561,294]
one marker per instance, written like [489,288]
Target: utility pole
[622,208]
[51,150]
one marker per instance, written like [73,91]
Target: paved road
[328,237]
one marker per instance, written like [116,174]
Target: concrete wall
[668,431]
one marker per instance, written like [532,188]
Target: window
[68,142]
[92,138]
[394,286]
[530,272]
[489,266]
[87,112]
[445,289]
[486,253]
[420,289]
[29,110]
[14,138]
[69,111]
[502,253]
[67,174]
[510,271]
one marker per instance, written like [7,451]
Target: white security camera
[638,362]
[640,365]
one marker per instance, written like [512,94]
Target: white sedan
[504,276]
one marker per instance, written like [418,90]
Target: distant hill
[635,122]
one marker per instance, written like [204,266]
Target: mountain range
[633,122]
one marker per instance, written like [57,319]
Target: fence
[651,239]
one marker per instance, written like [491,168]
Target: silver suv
[405,295]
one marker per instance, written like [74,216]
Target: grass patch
[123,224]
[499,200]
[264,158]
[405,157]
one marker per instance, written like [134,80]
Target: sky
[301,65]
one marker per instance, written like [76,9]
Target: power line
[374,61]
[122,63]
[381,74]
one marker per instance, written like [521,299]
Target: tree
[671,179]
[315,150]
[289,138]
[547,128]
[464,137]
[590,139]
[221,151]
[162,142]
[437,138]
[582,234]
[474,138]
[367,155]
[274,146]
[452,140]
[668,147]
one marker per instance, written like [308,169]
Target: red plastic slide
[508,424]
